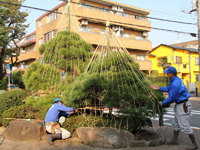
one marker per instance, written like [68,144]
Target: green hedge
[11,98]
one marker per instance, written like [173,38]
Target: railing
[26,39]
[116,12]
[121,36]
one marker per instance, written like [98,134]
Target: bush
[17,79]
[11,98]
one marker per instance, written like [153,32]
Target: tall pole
[69,1]
[198,11]
[108,37]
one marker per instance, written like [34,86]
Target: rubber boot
[194,144]
[174,141]
[52,137]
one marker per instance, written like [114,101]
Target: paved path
[166,131]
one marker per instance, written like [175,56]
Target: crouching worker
[52,121]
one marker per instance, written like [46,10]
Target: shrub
[11,98]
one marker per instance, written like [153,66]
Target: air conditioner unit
[121,28]
[114,8]
[84,22]
[120,9]
[23,51]
[144,34]
[115,28]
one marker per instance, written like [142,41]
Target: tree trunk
[2,72]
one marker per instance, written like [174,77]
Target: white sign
[7,70]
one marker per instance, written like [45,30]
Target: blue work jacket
[56,111]
[177,91]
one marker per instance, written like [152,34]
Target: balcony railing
[26,39]
[116,12]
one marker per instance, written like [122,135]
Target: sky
[164,9]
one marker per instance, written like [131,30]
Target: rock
[156,142]
[2,130]
[75,141]
[105,137]
[24,131]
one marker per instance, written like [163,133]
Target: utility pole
[198,12]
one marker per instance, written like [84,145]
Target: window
[40,41]
[126,15]
[125,35]
[178,60]
[102,31]
[197,61]
[48,36]
[52,16]
[197,78]
[104,9]
[86,29]
[140,57]
[85,5]
[184,65]
[161,61]
[139,37]
[33,48]
[41,23]
[139,17]
[41,60]
[28,50]
[64,7]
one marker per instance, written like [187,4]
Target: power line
[193,34]
[135,15]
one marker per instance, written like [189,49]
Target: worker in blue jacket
[178,94]
[52,122]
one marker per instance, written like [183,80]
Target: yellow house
[185,60]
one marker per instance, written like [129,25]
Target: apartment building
[185,60]
[27,52]
[130,24]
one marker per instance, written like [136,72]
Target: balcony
[127,20]
[130,43]
[145,65]
[27,56]
[27,41]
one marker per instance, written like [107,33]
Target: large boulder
[105,137]
[24,131]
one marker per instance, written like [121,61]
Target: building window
[33,48]
[52,16]
[48,36]
[125,35]
[139,37]
[85,5]
[28,50]
[126,15]
[40,41]
[140,57]
[197,78]
[178,60]
[102,31]
[162,61]
[184,65]
[139,17]
[41,60]
[85,29]
[197,61]
[104,10]
[41,23]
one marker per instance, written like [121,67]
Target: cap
[57,100]
[170,70]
